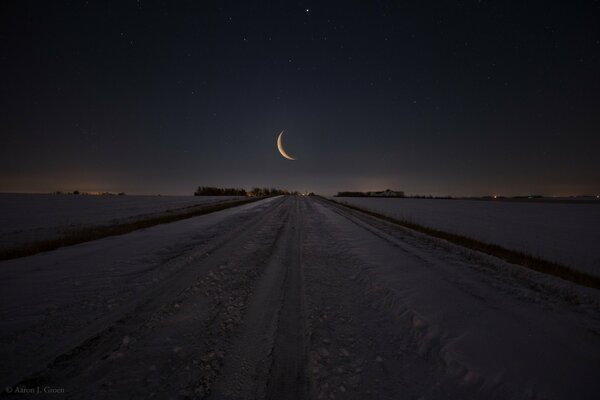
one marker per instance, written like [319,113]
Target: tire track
[288,378]
[268,358]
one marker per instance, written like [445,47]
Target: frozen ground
[26,218]
[292,298]
[567,233]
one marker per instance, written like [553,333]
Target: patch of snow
[506,331]
[567,233]
[50,295]
[26,218]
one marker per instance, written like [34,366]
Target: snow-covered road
[292,298]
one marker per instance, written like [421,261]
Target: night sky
[449,97]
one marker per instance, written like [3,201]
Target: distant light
[495,196]
[307,10]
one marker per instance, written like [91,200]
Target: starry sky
[443,98]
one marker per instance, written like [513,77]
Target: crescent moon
[280,147]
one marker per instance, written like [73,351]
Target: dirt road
[291,298]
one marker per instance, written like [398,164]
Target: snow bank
[49,300]
[26,218]
[507,331]
[567,233]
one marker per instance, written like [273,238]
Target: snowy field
[26,218]
[567,233]
[292,295]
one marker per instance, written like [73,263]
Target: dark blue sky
[449,97]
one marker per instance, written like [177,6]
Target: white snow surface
[567,233]
[26,218]
[208,306]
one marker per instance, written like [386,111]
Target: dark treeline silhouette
[381,193]
[215,191]
[77,192]
[269,192]
[351,194]
[255,192]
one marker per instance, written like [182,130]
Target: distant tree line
[216,191]
[77,192]
[382,193]
[269,192]
[351,194]
[255,192]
